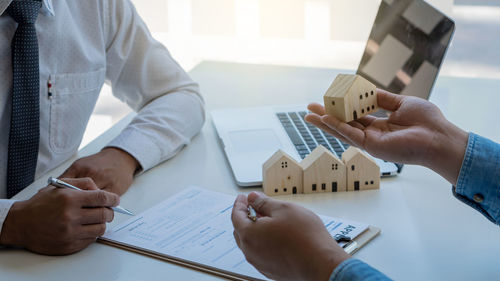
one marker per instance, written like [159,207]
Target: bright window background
[313,33]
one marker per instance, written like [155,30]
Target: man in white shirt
[81,45]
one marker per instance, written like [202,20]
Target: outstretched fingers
[355,135]
[315,119]
[317,108]
[389,101]
[366,120]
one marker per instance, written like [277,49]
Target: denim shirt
[478,186]
[478,183]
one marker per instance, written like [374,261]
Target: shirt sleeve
[356,270]
[143,74]
[478,183]
[4,210]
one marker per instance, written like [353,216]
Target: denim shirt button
[478,198]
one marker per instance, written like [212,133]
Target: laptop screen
[406,47]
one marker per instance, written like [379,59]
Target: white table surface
[426,233]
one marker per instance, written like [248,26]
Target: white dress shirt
[82,45]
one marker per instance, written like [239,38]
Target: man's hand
[287,242]
[59,221]
[111,169]
[416,132]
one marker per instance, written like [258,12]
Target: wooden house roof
[342,85]
[276,157]
[315,155]
[354,152]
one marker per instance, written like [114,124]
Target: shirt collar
[47,7]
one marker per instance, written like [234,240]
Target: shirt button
[478,198]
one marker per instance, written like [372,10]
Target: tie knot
[24,11]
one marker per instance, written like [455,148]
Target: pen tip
[127,211]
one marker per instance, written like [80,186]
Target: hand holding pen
[59,221]
[277,236]
[61,184]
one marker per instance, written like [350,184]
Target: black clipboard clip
[350,245]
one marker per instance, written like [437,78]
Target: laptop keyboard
[306,137]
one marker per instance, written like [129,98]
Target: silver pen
[59,183]
[252,214]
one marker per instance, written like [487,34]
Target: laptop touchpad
[254,140]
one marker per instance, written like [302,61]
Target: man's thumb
[262,204]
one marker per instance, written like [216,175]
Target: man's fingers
[316,108]
[102,181]
[316,121]
[355,135]
[92,231]
[366,120]
[263,204]
[99,198]
[239,216]
[388,101]
[82,183]
[96,215]
[356,124]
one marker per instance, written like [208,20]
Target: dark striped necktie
[25,118]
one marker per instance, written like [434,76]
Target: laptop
[403,55]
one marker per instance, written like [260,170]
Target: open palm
[407,135]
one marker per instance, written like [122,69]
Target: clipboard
[362,239]
[351,248]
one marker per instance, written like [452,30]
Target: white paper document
[195,226]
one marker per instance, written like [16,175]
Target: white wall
[314,33]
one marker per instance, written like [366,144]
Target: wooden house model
[363,173]
[323,172]
[281,175]
[350,97]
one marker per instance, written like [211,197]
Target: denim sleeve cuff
[356,270]
[478,184]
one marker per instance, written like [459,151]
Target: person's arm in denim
[356,270]
[478,183]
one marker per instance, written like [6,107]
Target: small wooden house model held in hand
[281,175]
[363,173]
[323,172]
[350,97]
